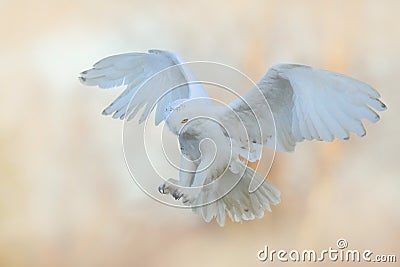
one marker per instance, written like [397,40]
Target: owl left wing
[306,103]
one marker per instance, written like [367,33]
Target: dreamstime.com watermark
[341,254]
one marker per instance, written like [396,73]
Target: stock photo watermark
[341,253]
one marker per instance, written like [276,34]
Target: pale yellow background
[66,198]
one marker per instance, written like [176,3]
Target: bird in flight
[289,104]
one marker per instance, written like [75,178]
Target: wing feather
[309,103]
[150,79]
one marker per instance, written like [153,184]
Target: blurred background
[66,197]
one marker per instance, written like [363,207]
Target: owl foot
[168,187]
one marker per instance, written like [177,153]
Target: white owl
[304,103]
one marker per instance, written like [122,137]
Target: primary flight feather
[290,103]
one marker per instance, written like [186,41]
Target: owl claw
[167,187]
[177,194]
[161,189]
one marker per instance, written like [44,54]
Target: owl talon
[161,189]
[177,194]
[167,187]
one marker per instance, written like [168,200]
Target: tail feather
[239,203]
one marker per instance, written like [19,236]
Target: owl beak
[184,121]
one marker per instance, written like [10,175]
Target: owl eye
[184,120]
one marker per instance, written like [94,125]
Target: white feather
[289,104]
[148,77]
[320,104]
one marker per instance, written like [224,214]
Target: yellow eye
[184,121]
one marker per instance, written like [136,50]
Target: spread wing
[157,78]
[307,103]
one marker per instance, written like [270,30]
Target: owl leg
[186,175]
[199,181]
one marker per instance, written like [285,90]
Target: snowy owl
[290,103]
